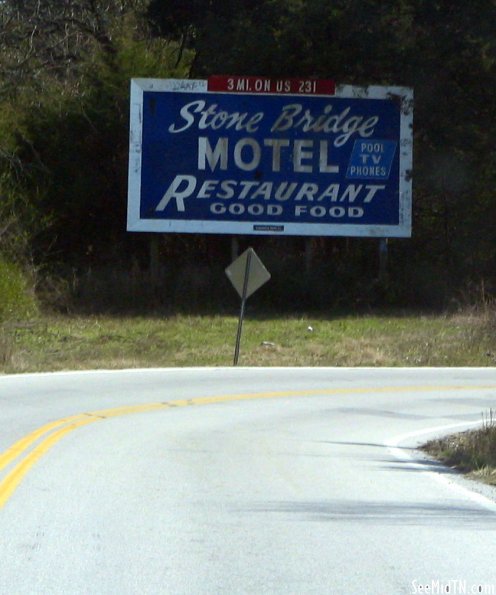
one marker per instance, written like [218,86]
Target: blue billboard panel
[242,163]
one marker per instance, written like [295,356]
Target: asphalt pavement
[242,481]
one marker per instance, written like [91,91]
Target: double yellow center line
[29,449]
[48,435]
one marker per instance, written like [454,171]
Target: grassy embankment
[472,452]
[67,342]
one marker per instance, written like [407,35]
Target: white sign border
[136,224]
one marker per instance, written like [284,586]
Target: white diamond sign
[247,274]
[249,269]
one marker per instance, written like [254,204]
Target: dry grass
[69,342]
[472,452]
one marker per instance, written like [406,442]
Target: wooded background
[65,67]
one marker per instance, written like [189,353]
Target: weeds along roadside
[472,452]
[82,341]
[17,303]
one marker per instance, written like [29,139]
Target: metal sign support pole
[383,260]
[234,248]
[154,258]
[242,311]
[309,254]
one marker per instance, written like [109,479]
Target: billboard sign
[255,156]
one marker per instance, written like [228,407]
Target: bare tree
[53,36]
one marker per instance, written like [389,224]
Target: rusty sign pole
[242,311]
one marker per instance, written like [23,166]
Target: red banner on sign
[260,84]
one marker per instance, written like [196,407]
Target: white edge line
[254,369]
[426,467]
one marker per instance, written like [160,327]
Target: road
[241,480]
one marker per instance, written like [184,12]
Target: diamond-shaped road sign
[257,275]
[247,273]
